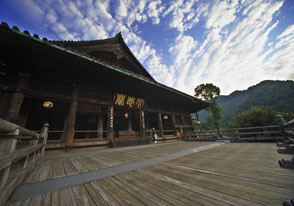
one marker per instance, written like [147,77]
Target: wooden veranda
[175,173]
[230,174]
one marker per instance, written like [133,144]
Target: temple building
[90,92]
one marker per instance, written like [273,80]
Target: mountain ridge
[276,94]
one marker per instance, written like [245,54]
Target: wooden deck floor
[232,174]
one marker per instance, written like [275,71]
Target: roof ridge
[119,36]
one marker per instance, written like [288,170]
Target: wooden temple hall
[92,93]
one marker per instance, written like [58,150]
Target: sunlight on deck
[231,174]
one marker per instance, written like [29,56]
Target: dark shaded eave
[191,102]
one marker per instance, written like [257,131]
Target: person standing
[154,135]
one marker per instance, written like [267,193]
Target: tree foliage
[207,91]
[210,92]
[278,95]
[254,117]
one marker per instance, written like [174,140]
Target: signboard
[128,101]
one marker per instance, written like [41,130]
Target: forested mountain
[278,95]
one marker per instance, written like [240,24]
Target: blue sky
[233,44]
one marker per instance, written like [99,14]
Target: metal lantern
[47,104]
[165,117]
[126,115]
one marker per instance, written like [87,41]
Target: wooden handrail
[10,154]
[8,127]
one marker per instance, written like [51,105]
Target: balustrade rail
[287,146]
[169,132]
[263,133]
[90,134]
[20,151]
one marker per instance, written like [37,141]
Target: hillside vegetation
[278,95]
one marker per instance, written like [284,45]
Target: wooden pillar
[16,99]
[183,120]
[142,123]
[160,125]
[129,124]
[100,125]
[23,117]
[197,118]
[174,124]
[110,123]
[71,119]
[44,134]
[147,126]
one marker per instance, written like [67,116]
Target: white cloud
[234,49]
[234,59]
[121,10]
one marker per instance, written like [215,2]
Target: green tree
[210,92]
[254,117]
[207,91]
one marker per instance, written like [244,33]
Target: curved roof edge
[35,37]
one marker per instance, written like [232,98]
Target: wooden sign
[128,101]
[111,117]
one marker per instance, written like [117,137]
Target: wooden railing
[287,146]
[249,134]
[20,151]
[169,132]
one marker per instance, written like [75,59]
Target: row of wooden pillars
[17,98]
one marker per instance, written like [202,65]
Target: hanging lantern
[47,104]
[198,122]
[165,117]
[126,115]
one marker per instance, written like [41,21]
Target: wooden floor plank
[55,198]
[36,201]
[123,197]
[105,196]
[223,186]
[187,194]
[143,196]
[58,168]
[171,196]
[93,194]
[66,198]
[185,183]
[87,163]
[250,186]
[78,165]
[240,174]
[69,167]
[152,189]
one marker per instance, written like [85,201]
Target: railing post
[44,134]
[7,146]
[236,134]
[281,123]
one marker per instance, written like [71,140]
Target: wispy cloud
[228,43]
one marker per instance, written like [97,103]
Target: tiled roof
[45,41]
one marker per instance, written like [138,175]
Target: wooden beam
[165,112]
[61,97]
